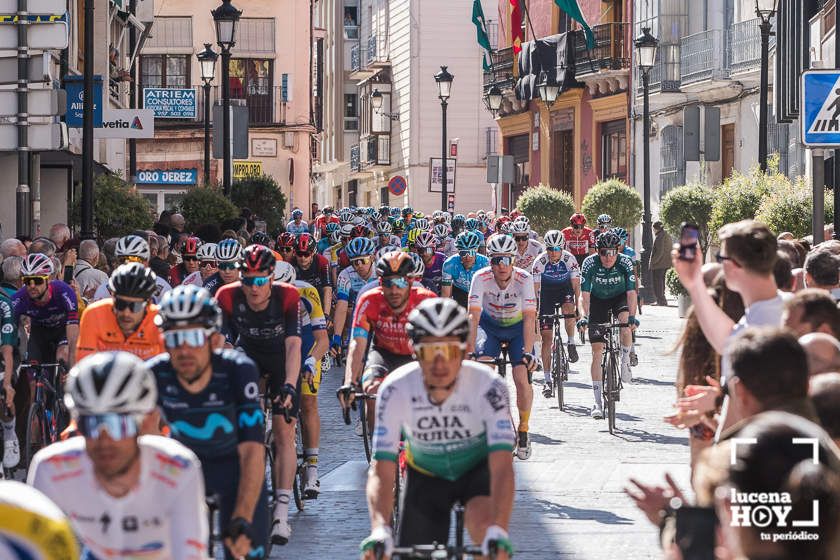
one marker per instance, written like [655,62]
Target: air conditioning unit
[289,139]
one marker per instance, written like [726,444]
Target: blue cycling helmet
[395,212]
[360,247]
[458,220]
[332,226]
[471,224]
[468,241]
[297,213]
[621,233]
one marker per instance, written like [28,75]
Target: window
[164,71]
[351,111]
[250,79]
[351,22]
[614,150]
[672,167]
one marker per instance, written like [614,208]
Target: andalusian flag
[516,35]
[571,8]
[481,32]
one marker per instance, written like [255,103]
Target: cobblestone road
[569,499]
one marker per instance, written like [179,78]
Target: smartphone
[696,528]
[689,242]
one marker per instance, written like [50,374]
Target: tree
[791,208]
[546,208]
[264,197]
[615,198]
[117,208]
[691,204]
[740,196]
[206,205]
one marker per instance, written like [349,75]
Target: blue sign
[170,103]
[75,88]
[179,177]
[821,108]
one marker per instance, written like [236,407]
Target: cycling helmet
[186,306]
[207,252]
[553,238]
[284,272]
[425,240]
[297,214]
[438,317]
[467,241]
[418,214]
[360,247]
[133,280]
[608,240]
[458,220]
[407,211]
[399,225]
[331,227]
[504,227]
[422,223]
[447,217]
[521,218]
[345,215]
[501,245]
[285,239]
[228,250]
[134,246]
[471,224]
[375,215]
[358,221]
[110,382]
[384,211]
[261,238]
[385,249]
[577,219]
[419,266]
[335,237]
[305,243]
[442,230]
[621,233]
[32,527]
[190,246]
[346,230]
[395,212]
[395,263]
[257,258]
[359,231]
[384,228]
[37,264]
[604,219]
[519,227]
[328,211]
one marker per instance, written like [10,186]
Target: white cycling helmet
[346,230]
[228,250]
[187,306]
[520,227]
[385,249]
[419,265]
[110,382]
[37,264]
[554,238]
[284,272]
[384,228]
[133,246]
[501,244]
[438,317]
[207,252]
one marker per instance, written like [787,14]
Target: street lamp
[444,83]
[548,89]
[207,61]
[646,46]
[493,99]
[376,99]
[765,10]
[226,17]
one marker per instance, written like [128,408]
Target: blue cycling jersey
[630,252]
[297,229]
[454,273]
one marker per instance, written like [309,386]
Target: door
[563,158]
[728,157]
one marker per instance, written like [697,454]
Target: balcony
[703,60]
[360,61]
[606,68]
[745,47]
[265,105]
[355,158]
[376,150]
[501,70]
[355,58]
[376,55]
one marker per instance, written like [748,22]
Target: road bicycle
[610,378]
[360,403]
[47,415]
[270,456]
[559,360]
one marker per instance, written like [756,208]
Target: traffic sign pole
[818,173]
[87,127]
[23,200]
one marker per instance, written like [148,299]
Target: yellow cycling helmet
[412,236]
[32,527]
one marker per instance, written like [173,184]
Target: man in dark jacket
[660,261]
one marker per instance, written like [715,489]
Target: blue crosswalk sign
[821,108]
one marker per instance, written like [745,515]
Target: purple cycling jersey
[61,307]
[434,273]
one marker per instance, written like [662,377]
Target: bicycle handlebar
[427,551]
[559,316]
[610,325]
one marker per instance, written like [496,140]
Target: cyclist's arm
[293,344]
[632,301]
[584,303]
[326,296]
[72,338]
[340,317]
[87,339]
[446,281]
[474,306]
[251,478]
[501,486]
[529,314]
[445,290]
[380,492]
[355,356]
[189,517]
[8,367]
[576,288]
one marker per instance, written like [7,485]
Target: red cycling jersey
[373,314]
[578,244]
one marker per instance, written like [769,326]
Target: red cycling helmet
[257,258]
[359,231]
[286,239]
[191,245]
[304,243]
[578,219]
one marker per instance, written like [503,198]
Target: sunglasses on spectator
[501,261]
[118,426]
[227,266]
[304,254]
[394,282]
[360,262]
[608,252]
[37,280]
[133,306]
[132,258]
[211,264]
[193,338]
[258,281]
[520,238]
[554,249]
[469,253]
[189,258]
[428,351]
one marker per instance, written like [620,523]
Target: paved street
[569,499]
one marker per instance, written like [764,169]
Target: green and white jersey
[607,283]
[446,440]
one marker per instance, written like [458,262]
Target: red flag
[516,35]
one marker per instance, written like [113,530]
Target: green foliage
[740,196]
[672,282]
[264,197]
[117,208]
[615,198]
[546,208]
[790,208]
[206,205]
[691,204]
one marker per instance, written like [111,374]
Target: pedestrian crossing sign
[821,108]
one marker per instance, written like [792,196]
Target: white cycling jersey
[526,259]
[193,279]
[504,306]
[163,518]
[449,439]
[447,247]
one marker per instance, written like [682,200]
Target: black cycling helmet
[608,240]
[261,238]
[133,280]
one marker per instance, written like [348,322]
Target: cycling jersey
[375,316]
[213,283]
[163,518]
[447,247]
[607,283]
[549,274]
[318,273]
[630,253]
[162,287]
[322,246]
[322,221]
[297,229]
[433,274]
[59,309]
[193,279]
[526,259]
[578,244]
[99,331]
[454,273]
[449,439]
[392,240]
[312,319]
[503,306]
[8,325]
[350,282]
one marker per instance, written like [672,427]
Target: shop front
[165,188]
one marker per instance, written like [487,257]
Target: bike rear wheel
[37,432]
[298,483]
[610,389]
[559,367]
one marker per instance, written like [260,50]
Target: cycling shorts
[381,362]
[272,368]
[491,335]
[427,503]
[316,382]
[460,296]
[581,258]
[44,341]
[599,313]
[550,298]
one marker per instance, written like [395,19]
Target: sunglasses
[608,252]
[227,266]
[37,280]
[189,258]
[469,253]
[133,306]
[205,264]
[118,426]
[304,254]
[258,281]
[578,226]
[503,261]
[193,338]
[286,249]
[360,262]
[131,259]
[520,238]
[428,351]
[554,249]
[394,282]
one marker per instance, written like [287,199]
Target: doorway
[728,156]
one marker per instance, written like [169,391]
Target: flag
[481,32]
[572,8]
[516,35]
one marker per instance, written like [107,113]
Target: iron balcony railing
[745,46]
[355,157]
[703,57]
[501,69]
[266,106]
[355,58]
[376,150]
[611,52]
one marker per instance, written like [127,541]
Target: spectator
[108,249]
[162,229]
[165,218]
[177,223]
[660,261]
[60,235]
[822,270]
[11,275]
[825,394]
[87,276]
[159,249]
[785,236]
[26,240]
[42,245]
[783,272]
[823,351]
[209,233]
[795,252]
[810,311]
[12,248]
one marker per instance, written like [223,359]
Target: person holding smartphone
[660,261]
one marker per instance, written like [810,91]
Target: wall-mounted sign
[180,177]
[247,169]
[126,123]
[74,86]
[264,147]
[171,103]
[436,172]
[397,185]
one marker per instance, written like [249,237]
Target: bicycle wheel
[297,483]
[37,430]
[269,467]
[366,437]
[612,376]
[559,368]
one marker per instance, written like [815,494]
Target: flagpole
[524,4]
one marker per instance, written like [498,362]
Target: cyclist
[210,399]
[126,321]
[457,224]
[8,348]
[189,261]
[297,225]
[446,242]
[133,248]
[314,269]
[458,270]
[556,282]
[526,248]
[228,255]
[127,496]
[503,306]
[385,235]
[426,246]
[578,237]
[325,242]
[207,265]
[285,245]
[607,284]
[604,224]
[351,279]
[261,317]
[445,466]
[32,527]
[321,222]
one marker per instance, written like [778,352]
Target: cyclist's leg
[222,480]
[375,370]
[488,343]
[598,313]
[311,426]
[460,296]
[568,308]
[524,392]
[546,334]
[426,508]
[622,313]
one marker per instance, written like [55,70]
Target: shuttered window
[170,35]
[672,158]
[254,36]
